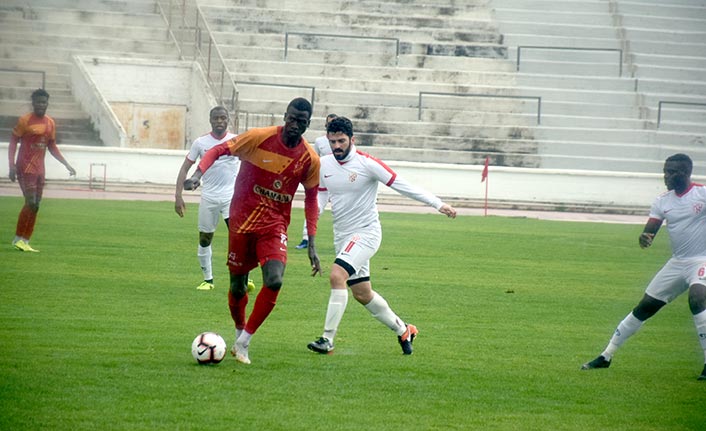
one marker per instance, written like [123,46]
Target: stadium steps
[69,131]
[585,100]
[44,35]
[635,144]
[667,45]
[444,47]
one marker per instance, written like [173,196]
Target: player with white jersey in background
[351,179]
[683,207]
[217,191]
[322,148]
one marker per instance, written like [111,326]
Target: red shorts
[247,250]
[31,185]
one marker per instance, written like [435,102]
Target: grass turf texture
[96,329]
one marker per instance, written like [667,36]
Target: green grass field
[95,331]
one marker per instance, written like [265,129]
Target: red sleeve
[212,155]
[311,210]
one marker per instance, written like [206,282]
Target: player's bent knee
[272,273]
[647,308]
[238,285]
[205,239]
[273,283]
[697,298]
[238,289]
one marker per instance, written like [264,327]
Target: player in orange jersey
[35,132]
[273,162]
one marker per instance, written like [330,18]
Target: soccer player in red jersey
[273,162]
[36,132]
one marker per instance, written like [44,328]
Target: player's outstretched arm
[448,210]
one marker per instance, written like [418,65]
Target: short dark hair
[40,92]
[301,104]
[340,124]
[682,158]
[217,108]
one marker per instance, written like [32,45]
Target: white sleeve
[656,211]
[323,200]
[405,188]
[193,152]
[387,176]
[323,192]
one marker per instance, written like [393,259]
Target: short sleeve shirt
[218,181]
[686,220]
[270,173]
[36,134]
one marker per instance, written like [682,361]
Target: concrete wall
[100,81]
[548,188]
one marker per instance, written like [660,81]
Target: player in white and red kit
[351,179]
[217,189]
[273,162]
[683,207]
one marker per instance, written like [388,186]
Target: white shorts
[211,212]
[676,276]
[357,249]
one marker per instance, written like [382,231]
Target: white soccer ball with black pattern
[208,348]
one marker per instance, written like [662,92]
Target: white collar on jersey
[352,153]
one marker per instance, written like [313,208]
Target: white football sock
[205,254]
[700,322]
[334,313]
[380,310]
[305,234]
[244,338]
[625,330]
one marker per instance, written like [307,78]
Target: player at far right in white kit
[683,207]
[351,179]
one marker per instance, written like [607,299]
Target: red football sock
[237,309]
[25,222]
[264,303]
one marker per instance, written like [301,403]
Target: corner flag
[484,177]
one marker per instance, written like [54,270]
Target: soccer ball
[208,348]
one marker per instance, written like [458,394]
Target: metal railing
[209,56]
[270,84]
[248,120]
[671,102]
[391,39]
[187,27]
[567,48]
[537,98]
[24,71]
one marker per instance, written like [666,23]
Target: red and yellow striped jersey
[270,173]
[35,135]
